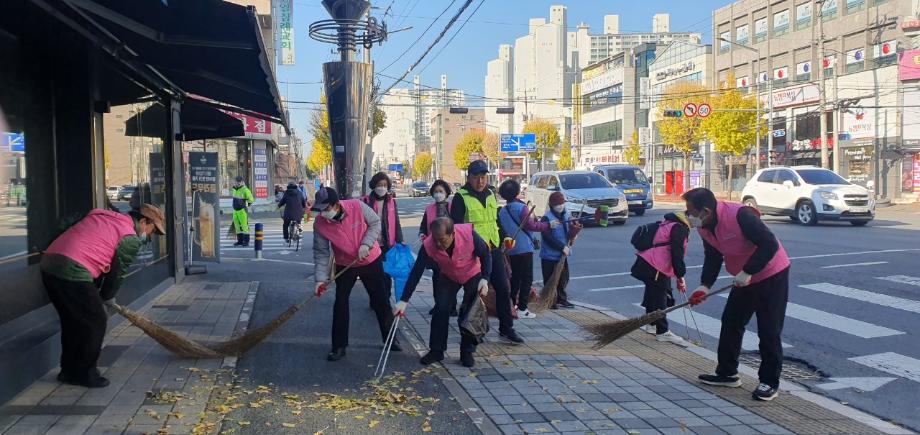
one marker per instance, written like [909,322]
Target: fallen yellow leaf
[373,423]
[289,425]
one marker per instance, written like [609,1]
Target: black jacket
[294,204]
[644,271]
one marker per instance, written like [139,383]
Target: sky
[464,59]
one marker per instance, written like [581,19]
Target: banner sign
[795,96]
[284,11]
[253,128]
[909,68]
[260,170]
[157,178]
[204,174]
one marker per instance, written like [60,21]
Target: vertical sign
[284,11]
[203,178]
[157,179]
[260,170]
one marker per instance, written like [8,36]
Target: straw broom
[550,290]
[608,332]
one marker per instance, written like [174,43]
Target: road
[854,311]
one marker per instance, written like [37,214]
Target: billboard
[284,11]
[909,67]
[204,174]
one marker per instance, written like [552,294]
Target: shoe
[512,337]
[336,354]
[466,358]
[720,381]
[432,357]
[765,393]
[287,241]
[566,304]
[453,312]
[526,314]
[95,382]
[554,307]
[66,378]
[670,337]
[650,329]
[395,347]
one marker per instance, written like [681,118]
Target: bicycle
[294,235]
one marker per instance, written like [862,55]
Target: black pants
[521,278]
[767,299]
[548,266]
[500,282]
[373,279]
[83,321]
[445,297]
[658,296]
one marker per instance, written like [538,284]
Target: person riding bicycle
[294,205]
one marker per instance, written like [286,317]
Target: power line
[411,46]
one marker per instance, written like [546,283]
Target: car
[419,188]
[112,192]
[127,192]
[634,184]
[584,191]
[808,194]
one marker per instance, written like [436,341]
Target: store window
[855,6]
[781,23]
[606,132]
[760,30]
[829,10]
[14,193]
[803,14]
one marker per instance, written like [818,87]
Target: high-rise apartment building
[595,48]
[395,143]
[500,91]
[428,100]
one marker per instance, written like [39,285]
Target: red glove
[681,285]
[320,289]
[698,297]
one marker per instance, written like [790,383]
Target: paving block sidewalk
[556,383]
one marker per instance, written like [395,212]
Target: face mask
[329,214]
[380,191]
[695,222]
[440,196]
[559,208]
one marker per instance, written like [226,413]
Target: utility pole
[838,123]
[770,79]
[759,115]
[821,91]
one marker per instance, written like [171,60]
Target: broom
[187,348]
[608,332]
[550,290]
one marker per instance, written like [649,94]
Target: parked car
[808,194]
[112,192]
[584,191]
[127,192]
[634,184]
[419,188]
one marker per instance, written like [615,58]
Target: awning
[196,121]
[208,48]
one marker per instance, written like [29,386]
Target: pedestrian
[384,204]
[303,189]
[242,199]
[555,244]
[512,216]
[465,262]
[475,204]
[440,191]
[656,266]
[349,229]
[734,234]
[294,205]
[82,271]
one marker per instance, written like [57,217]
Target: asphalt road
[854,307]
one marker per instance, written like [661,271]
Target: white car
[112,192]
[584,191]
[808,194]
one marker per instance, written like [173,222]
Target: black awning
[197,122]
[208,48]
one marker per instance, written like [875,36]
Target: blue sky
[464,60]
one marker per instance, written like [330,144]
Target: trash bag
[474,321]
[398,264]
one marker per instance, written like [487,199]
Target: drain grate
[794,370]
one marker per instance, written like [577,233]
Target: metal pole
[770,123]
[759,114]
[821,90]
[260,236]
[837,116]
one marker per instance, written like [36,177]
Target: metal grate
[793,369]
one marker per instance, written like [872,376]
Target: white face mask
[380,191]
[329,214]
[440,196]
[559,208]
[695,222]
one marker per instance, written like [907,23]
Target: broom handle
[518,230]
[712,293]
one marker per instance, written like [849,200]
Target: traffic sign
[690,109]
[512,143]
[673,113]
[704,110]
[14,142]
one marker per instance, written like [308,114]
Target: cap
[239,179]
[477,167]
[154,215]
[324,198]
[556,198]
[292,185]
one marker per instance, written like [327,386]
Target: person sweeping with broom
[519,244]
[82,271]
[734,234]
[349,229]
[555,248]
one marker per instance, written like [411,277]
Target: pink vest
[92,241]
[431,213]
[660,256]
[729,240]
[464,265]
[346,236]
[391,217]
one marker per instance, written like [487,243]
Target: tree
[731,126]
[491,149]
[565,162]
[547,137]
[473,142]
[422,165]
[380,121]
[633,151]
[682,133]
[321,154]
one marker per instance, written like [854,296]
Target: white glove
[400,308]
[363,252]
[566,250]
[483,287]
[741,279]
[554,224]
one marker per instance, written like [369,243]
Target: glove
[363,252]
[699,295]
[509,243]
[554,224]
[483,287]
[400,309]
[681,285]
[741,279]
[422,237]
[566,250]
[109,306]
[320,289]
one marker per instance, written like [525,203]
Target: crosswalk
[273,241]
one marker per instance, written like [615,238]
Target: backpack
[643,238]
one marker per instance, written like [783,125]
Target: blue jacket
[509,217]
[555,239]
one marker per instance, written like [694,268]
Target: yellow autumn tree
[421,166]
[547,137]
[473,142]
[321,155]
[565,162]
[683,133]
[633,152]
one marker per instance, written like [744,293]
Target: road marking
[871,263]
[893,363]
[268,259]
[904,279]
[713,327]
[862,384]
[622,287]
[866,296]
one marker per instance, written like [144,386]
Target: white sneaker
[526,314]
[650,329]
[671,337]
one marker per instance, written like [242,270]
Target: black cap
[324,198]
[239,179]
[477,167]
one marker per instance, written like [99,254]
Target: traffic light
[673,113]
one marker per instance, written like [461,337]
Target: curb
[789,387]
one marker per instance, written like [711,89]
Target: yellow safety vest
[484,219]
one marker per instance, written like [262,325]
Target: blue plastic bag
[398,264]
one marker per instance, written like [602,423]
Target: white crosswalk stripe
[893,363]
[904,279]
[712,327]
[866,296]
[274,241]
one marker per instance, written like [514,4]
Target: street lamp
[769,108]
